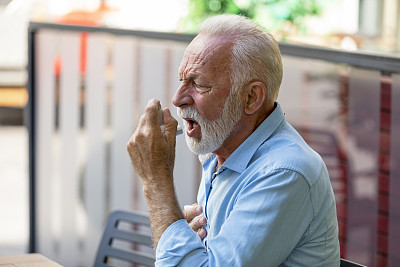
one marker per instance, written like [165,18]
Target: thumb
[170,125]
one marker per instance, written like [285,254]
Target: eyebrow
[189,75]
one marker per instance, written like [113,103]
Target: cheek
[210,108]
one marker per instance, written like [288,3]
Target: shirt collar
[241,157]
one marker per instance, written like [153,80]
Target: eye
[201,88]
[197,85]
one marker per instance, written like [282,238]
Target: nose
[182,97]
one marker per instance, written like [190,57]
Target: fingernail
[202,233]
[198,209]
[202,221]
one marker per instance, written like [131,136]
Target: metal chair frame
[112,232]
[135,237]
[347,263]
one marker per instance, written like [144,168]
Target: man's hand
[151,149]
[195,221]
[152,152]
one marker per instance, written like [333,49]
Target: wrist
[163,207]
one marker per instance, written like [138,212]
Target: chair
[137,237]
[347,263]
[134,225]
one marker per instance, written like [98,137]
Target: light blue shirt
[270,204]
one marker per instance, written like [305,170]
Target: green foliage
[201,9]
[297,10]
[272,12]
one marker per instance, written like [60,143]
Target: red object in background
[85,18]
[82,62]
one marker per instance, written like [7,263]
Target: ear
[256,92]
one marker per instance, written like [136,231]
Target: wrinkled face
[203,99]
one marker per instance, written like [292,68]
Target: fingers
[171,125]
[193,216]
[154,120]
[151,113]
[191,211]
[168,118]
[147,143]
[198,223]
[202,233]
[148,121]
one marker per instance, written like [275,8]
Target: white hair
[255,53]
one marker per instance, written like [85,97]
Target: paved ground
[14,212]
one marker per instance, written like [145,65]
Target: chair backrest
[347,263]
[136,232]
[138,236]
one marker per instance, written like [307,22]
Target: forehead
[213,53]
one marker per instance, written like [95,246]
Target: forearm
[163,208]
[152,151]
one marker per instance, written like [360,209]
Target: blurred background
[358,26]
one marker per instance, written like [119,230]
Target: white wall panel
[69,126]
[123,119]
[45,118]
[291,93]
[153,71]
[95,125]
[152,82]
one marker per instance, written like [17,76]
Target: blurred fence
[87,92]
[88,86]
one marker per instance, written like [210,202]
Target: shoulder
[286,151]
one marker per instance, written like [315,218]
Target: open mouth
[191,126]
[190,123]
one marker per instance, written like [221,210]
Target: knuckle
[151,105]
[130,144]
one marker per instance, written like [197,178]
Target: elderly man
[265,197]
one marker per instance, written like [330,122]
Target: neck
[243,129]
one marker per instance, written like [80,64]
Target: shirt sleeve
[270,215]
[180,246]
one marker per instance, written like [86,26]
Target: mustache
[190,113]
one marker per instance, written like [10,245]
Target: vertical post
[343,159]
[384,171]
[394,188]
[30,123]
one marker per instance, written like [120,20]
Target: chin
[203,146]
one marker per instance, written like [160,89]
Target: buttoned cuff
[177,242]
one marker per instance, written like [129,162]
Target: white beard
[213,133]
